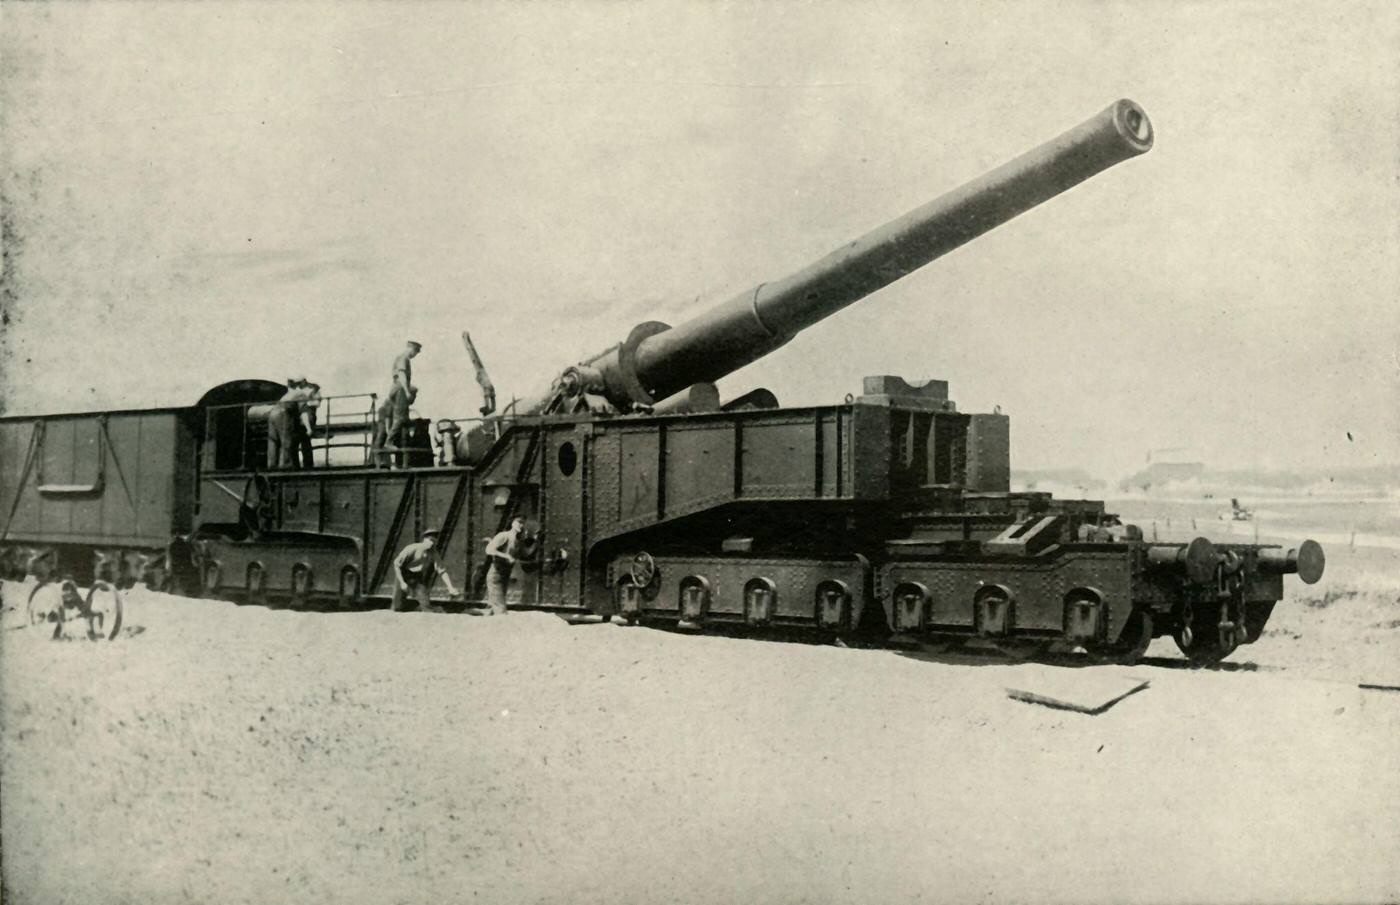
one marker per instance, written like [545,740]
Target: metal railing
[244,424]
[350,422]
[345,422]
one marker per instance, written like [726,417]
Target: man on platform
[281,425]
[403,366]
[308,402]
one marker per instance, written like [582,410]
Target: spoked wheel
[34,611]
[104,611]
[1200,635]
[1132,641]
[643,570]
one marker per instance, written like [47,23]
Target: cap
[432,532]
[414,342]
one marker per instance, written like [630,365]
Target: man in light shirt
[281,425]
[414,570]
[501,551]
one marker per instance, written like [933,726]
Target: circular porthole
[568,458]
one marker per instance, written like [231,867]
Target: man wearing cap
[308,401]
[403,366]
[414,570]
[392,415]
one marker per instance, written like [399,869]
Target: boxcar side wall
[120,479]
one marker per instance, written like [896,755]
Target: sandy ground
[215,753]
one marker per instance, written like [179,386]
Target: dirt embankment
[216,753]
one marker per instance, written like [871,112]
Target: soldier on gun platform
[392,415]
[390,420]
[403,365]
[309,400]
[414,570]
[280,430]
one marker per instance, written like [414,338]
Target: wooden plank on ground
[1088,690]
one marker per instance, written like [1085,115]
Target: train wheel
[1132,642]
[1201,637]
[104,611]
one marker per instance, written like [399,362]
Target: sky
[199,193]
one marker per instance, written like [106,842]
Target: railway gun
[649,499]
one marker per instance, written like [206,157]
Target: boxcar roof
[233,391]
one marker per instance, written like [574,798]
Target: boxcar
[108,495]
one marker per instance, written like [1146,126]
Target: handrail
[356,420]
[340,418]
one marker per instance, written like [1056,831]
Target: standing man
[403,366]
[280,425]
[390,420]
[414,570]
[308,402]
[392,416]
[502,551]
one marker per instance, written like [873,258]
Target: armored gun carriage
[650,500]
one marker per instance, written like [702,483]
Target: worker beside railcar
[415,568]
[503,551]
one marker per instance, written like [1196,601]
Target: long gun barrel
[657,360]
[754,323]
